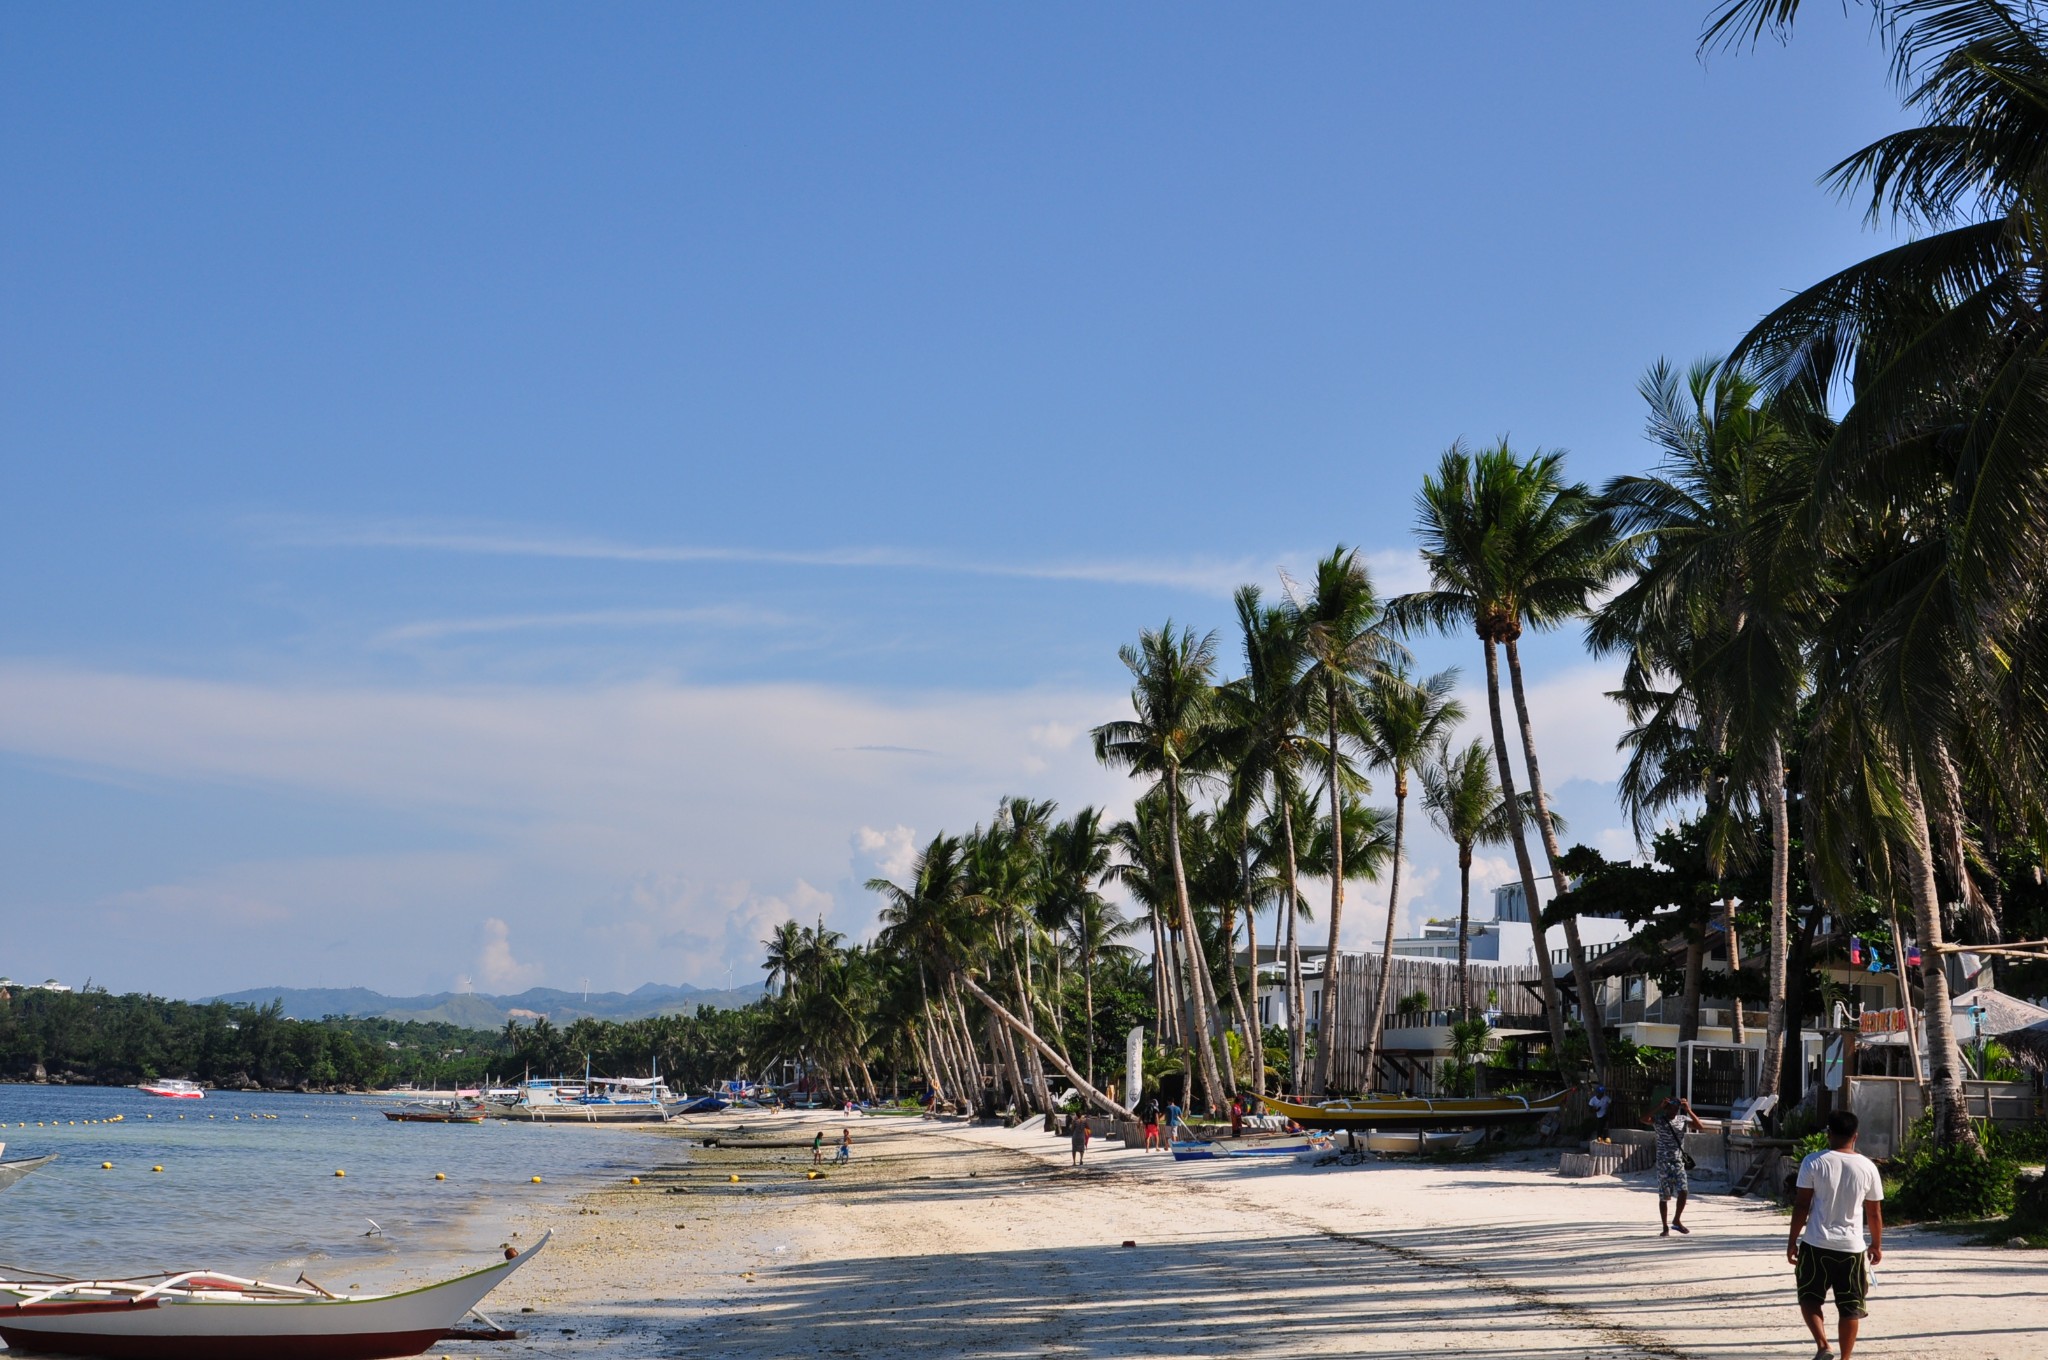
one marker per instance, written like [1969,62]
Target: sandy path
[959,1241]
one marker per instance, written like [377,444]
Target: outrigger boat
[1192,1149]
[1419,1112]
[599,1100]
[10,1172]
[437,1112]
[199,1315]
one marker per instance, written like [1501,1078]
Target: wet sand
[944,1239]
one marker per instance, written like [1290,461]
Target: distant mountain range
[475,1010]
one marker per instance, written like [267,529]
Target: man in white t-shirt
[1839,1195]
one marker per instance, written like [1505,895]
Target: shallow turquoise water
[252,1195]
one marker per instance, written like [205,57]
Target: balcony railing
[1432,1019]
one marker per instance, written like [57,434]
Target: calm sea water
[249,1194]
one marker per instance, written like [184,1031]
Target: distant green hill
[476,1010]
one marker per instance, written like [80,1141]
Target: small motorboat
[10,1172]
[702,1105]
[173,1088]
[201,1315]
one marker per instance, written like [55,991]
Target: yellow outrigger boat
[1418,1112]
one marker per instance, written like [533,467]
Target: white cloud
[1206,576]
[495,965]
[722,616]
[892,853]
[631,832]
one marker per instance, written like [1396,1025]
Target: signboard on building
[1882,1022]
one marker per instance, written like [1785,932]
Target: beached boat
[701,1105]
[598,1100]
[173,1088]
[200,1315]
[1273,1145]
[10,1172]
[437,1112]
[1416,1142]
[1419,1112]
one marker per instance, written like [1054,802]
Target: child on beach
[1077,1137]
[818,1148]
[1151,1126]
[845,1147]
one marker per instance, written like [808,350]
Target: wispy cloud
[716,616]
[1198,575]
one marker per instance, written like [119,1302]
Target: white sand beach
[945,1239]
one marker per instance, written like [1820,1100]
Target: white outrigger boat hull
[10,1172]
[199,1316]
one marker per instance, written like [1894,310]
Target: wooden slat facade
[1358,987]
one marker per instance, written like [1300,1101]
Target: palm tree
[1723,595]
[1343,630]
[1262,720]
[1174,702]
[1077,856]
[1510,546]
[1404,720]
[1464,803]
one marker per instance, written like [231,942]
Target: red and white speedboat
[173,1088]
[199,1315]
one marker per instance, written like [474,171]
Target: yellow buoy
[440,1175]
[340,1172]
[536,1180]
[636,1180]
[734,1176]
[106,1166]
[156,1168]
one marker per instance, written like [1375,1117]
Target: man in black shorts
[1839,1195]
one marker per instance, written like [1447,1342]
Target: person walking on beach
[1237,1117]
[845,1147]
[1151,1126]
[818,1148]
[1077,1139]
[1839,1196]
[1598,1104]
[1671,1122]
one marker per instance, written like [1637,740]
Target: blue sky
[493,495]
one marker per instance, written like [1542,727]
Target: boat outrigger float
[198,1315]
[1419,1112]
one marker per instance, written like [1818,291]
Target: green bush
[1954,1183]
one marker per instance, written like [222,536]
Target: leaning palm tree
[1174,702]
[1464,803]
[1343,629]
[1404,720]
[1510,546]
[1077,856]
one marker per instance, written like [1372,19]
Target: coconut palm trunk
[1081,1084]
[1775,1018]
[1326,1024]
[1297,1004]
[1952,1125]
[1255,1033]
[1201,1002]
[1553,1004]
[1379,1008]
[1465,929]
[1582,976]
